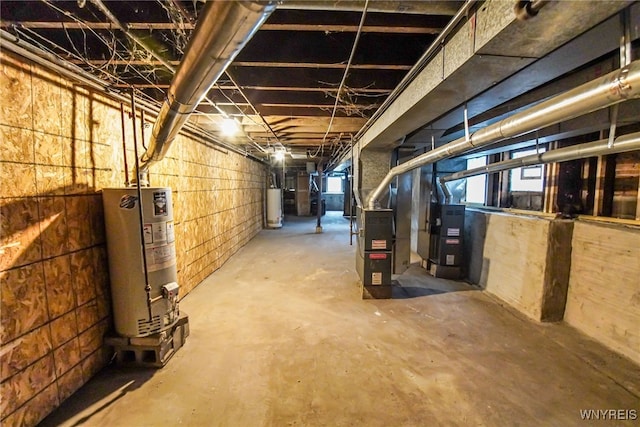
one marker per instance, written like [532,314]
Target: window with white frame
[476,185]
[527,178]
[334,184]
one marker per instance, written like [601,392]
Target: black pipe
[319,213]
[147,286]
[124,147]
[142,129]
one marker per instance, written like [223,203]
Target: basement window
[527,178]
[476,185]
[334,184]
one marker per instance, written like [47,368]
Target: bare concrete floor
[280,336]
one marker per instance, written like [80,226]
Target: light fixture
[279,155]
[229,126]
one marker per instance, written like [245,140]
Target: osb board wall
[604,286]
[61,145]
[506,255]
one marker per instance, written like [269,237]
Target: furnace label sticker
[160,203]
[159,257]
[451,259]
[159,231]
[170,233]
[376,278]
[148,234]
[378,244]
[453,232]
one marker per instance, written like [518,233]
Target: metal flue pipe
[622,144]
[223,29]
[602,92]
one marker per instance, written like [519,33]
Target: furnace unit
[446,228]
[374,254]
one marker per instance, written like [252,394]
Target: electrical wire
[346,72]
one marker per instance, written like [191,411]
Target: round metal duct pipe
[222,31]
[602,92]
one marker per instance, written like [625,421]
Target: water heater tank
[274,208]
[129,297]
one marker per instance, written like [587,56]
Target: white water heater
[137,312]
[274,208]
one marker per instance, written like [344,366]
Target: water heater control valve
[170,291]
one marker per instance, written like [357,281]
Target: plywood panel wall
[54,285]
[61,145]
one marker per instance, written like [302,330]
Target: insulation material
[604,287]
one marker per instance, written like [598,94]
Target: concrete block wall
[61,145]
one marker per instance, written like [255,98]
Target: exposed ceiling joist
[325,28]
[420,7]
[155,63]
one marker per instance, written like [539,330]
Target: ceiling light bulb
[229,127]
[279,155]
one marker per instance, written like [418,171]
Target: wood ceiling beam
[143,62]
[418,7]
[264,88]
[303,135]
[207,109]
[74,25]
[337,28]
[276,121]
[325,28]
[329,106]
[339,66]
[305,129]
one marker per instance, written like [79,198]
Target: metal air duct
[622,144]
[605,91]
[223,29]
